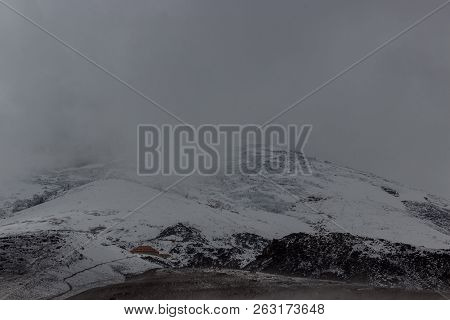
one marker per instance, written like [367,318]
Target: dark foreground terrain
[207,284]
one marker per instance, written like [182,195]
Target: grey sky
[231,61]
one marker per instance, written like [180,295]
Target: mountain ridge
[87,208]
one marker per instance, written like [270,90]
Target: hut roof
[145,250]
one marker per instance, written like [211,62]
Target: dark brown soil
[206,284]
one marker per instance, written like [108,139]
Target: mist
[227,62]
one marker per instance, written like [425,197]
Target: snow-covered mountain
[62,232]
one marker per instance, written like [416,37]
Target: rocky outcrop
[391,191]
[29,252]
[332,256]
[36,200]
[345,257]
[428,211]
[188,247]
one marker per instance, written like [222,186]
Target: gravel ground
[228,284]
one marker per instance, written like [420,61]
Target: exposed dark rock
[217,204]
[345,257]
[36,200]
[315,198]
[391,191]
[184,233]
[333,256]
[431,212]
[20,254]
[250,241]
[97,229]
[187,247]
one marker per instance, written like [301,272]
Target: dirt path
[69,285]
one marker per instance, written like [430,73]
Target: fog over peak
[228,62]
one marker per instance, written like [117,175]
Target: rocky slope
[344,257]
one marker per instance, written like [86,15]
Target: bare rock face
[391,191]
[29,252]
[188,247]
[36,200]
[345,257]
[429,211]
[332,256]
